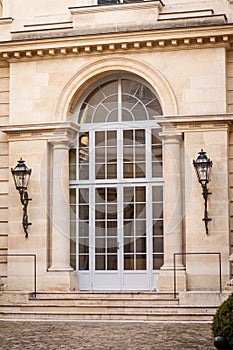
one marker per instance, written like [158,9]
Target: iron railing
[184,254]
[34,269]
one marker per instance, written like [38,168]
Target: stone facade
[51,52]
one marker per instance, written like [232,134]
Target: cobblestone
[104,335]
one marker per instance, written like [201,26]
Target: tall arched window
[116,187]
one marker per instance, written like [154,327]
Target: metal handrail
[184,254]
[34,277]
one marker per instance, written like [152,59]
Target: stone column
[173,215]
[60,215]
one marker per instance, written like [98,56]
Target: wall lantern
[203,167]
[21,175]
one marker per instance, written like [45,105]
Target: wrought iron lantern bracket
[21,175]
[203,167]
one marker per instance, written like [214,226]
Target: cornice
[194,123]
[189,38]
[46,131]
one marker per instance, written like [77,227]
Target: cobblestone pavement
[104,335]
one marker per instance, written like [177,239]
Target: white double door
[116,235]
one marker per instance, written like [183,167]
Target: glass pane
[112,262]
[112,116]
[111,194]
[95,97]
[140,210]
[129,86]
[112,138]
[140,153]
[84,212]
[111,102]
[112,211]
[100,154]
[112,245]
[140,194]
[111,171]
[128,228]
[83,262]
[128,245]
[112,228]
[83,195]
[128,194]
[129,211]
[109,88]
[84,229]
[126,115]
[100,195]
[157,210]
[73,229]
[86,113]
[128,262]
[72,246]
[128,137]
[140,136]
[140,170]
[100,245]
[100,114]
[157,193]
[128,170]
[112,154]
[140,262]
[72,196]
[100,262]
[73,212]
[157,227]
[84,172]
[100,171]
[100,138]
[157,261]
[141,245]
[83,245]
[157,170]
[73,261]
[72,163]
[140,227]
[158,244]
[128,154]
[139,112]
[100,212]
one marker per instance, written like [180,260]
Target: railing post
[174,268]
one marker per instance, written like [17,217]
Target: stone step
[108,316]
[134,306]
[105,295]
[107,308]
[101,302]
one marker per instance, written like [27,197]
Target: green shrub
[223,321]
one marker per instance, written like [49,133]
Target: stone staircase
[86,306]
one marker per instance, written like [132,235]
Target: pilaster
[172,212]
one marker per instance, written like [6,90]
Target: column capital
[64,136]
[172,136]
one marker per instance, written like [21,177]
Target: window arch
[116,184]
[119,100]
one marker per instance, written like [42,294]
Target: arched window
[116,186]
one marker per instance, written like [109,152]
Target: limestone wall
[230,110]
[4,116]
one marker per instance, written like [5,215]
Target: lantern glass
[203,166]
[21,174]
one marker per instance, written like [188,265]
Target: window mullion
[119,100]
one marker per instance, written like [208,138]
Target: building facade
[109,103]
